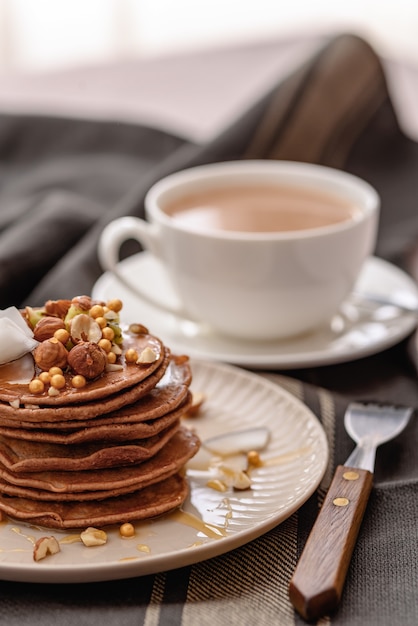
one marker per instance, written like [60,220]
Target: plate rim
[48,572]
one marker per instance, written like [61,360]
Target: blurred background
[191,66]
[39,35]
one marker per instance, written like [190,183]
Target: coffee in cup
[255,249]
[258,208]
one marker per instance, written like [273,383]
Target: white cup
[252,285]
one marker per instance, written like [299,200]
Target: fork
[317,584]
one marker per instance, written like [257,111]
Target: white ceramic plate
[295,461]
[358,331]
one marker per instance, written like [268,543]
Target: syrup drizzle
[188,519]
[286,458]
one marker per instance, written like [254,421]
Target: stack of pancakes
[108,453]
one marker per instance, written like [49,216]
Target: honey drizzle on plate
[188,519]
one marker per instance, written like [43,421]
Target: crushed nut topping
[148,355]
[81,337]
[93,537]
[44,547]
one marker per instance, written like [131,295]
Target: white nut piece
[241,481]
[93,537]
[148,355]
[217,485]
[111,316]
[45,546]
[85,328]
[232,477]
[114,367]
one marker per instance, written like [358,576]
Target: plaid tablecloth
[61,180]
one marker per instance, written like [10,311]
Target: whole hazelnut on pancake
[87,359]
[83,302]
[46,327]
[57,308]
[50,353]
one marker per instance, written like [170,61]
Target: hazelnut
[46,327]
[138,329]
[45,546]
[85,328]
[57,308]
[49,353]
[87,359]
[83,302]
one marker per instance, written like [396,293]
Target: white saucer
[358,331]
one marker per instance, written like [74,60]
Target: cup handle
[111,239]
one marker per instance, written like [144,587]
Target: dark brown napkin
[64,179]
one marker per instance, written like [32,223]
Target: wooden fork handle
[317,583]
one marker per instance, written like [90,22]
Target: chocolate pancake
[90,421]
[110,432]
[52,414]
[108,384]
[99,484]
[151,501]
[19,455]
[167,395]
